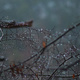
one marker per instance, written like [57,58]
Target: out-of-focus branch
[69,66]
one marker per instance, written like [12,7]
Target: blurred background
[45,13]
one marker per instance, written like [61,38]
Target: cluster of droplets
[33,41]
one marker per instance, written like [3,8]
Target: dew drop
[46,37]
[41,29]
[64,55]
[63,72]
[69,35]
[50,36]
[65,29]
[57,44]
[61,44]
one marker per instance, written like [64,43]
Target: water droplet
[64,55]
[25,76]
[41,29]
[46,37]
[60,33]
[78,56]
[43,56]
[61,44]
[69,35]
[50,36]
[68,41]
[63,72]
[65,29]
[70,62]
[57,44]
[77,63]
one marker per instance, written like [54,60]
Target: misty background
[44,13]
